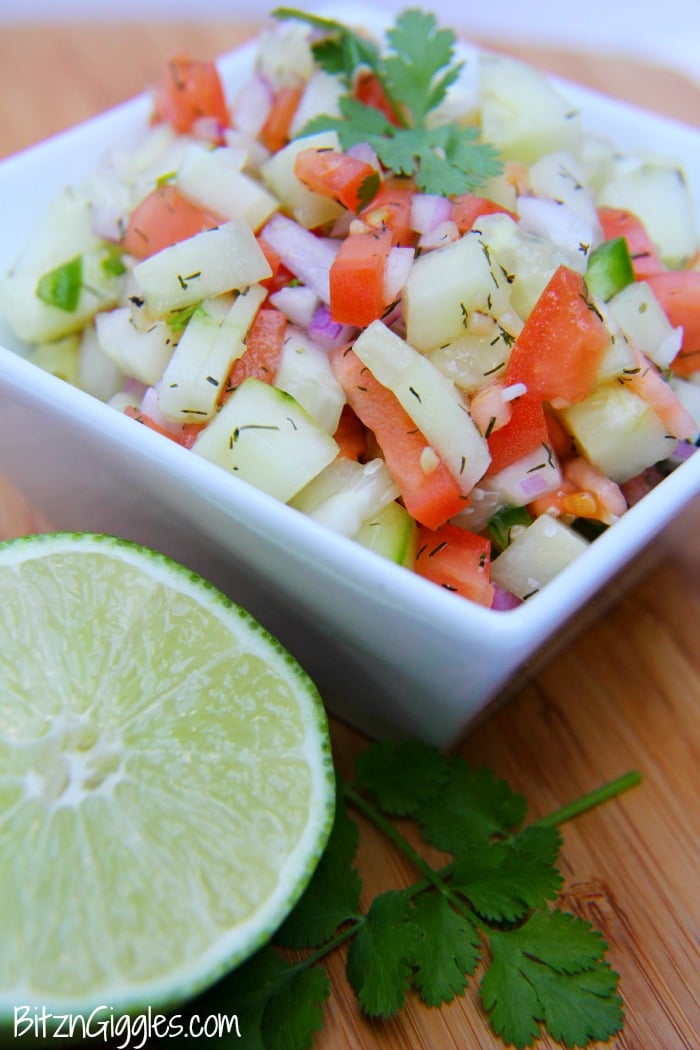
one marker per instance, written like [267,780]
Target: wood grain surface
[624,695]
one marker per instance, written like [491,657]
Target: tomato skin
[430,498]
[351,435]
[189,89]
[163,218]
[458,560]
[357,278]
[559,349]
[525,431]
[616,222]
[337,175]
[678,291]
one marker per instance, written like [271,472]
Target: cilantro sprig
[490,906]
[415,73]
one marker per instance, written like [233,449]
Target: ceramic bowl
[392,653]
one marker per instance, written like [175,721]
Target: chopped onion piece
[396,271]
[429,211]
[328,333]
[253,104]
[304,254]
[298,303]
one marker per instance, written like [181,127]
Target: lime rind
[227,949]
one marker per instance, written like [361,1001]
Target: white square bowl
[392,653]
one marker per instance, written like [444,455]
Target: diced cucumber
[536,555]
[59,357]
[305,372]
[618,431]
[65,237]
[211,342]
[321,96]
[224,259]
[213,179]
[660,197]
[522,113]
[643,320]
[445,286]
[559,176]
[392,533]
[308,208]
[265,437]
[609,269]
[430,399]
[141,354]
[481,353]
[535,474]
[689,396]
[529,260]
[347,493]
[97,373]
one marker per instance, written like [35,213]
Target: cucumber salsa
[412,297]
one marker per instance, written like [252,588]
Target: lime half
[166,780]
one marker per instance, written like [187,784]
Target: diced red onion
[298,303]
[253,104]
[504,600]
[328,333]
[534,485]
[364,152]
[134,387]
[683,451]
[304,254]
[428,211]
[396,271]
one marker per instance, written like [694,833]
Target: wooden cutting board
[624,695]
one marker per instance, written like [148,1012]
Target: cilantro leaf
[401,776]
[448,949]
[474,806]
[296,1012]
[380,957]
[333,894]
[503,884]
[421,51]
[415,76]
[551,970]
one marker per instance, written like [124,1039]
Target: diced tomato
[678,291]
[351,435]
[525,431]
[559,350]
[262,353]
[281,276]
[617,222]
[649,384]
[430,497]
[190,433]
[458,560]
[274,133]
[333,174]
[189,90]
[162,218]
[467,208]
[357,278]
[370,92]
[391,210]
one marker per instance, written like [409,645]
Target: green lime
[166,780]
